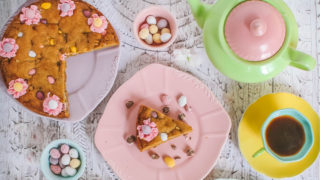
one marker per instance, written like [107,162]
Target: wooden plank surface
[23,136]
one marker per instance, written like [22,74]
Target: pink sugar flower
[30,15]
[8,48]
[66,7]
[98,24]
[52,105]
[18,87]
[148,131]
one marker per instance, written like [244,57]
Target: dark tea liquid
[285,136]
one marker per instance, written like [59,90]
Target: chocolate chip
[86,13]
[155,156]
[176,157]
[40,95]
[166,110]
[154,114]
[190,152]
[44,21]
[174,147]
[129,104]
[131,139]
[182,116]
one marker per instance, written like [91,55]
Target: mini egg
[143,34]
[64,148]
[75,163]
[20,34]
[156,38]
[153,29]
[53,161]
[70,171]
[165,99]
[164,136]
[149,39]
[73,153]
[165,30]
[54,153]
[55,169]
[32,54]
[64,173]
[151,20]
[162,23]
[65,159]
[170,162]
[182,101]
[165,37]
[143,26]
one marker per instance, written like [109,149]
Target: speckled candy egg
[162,23]
[165,37]
[151,20]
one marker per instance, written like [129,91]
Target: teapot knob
[258,27]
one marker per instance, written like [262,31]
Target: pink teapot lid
[255,30]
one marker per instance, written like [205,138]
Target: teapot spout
[199,11]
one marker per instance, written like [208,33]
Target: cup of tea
[287,136]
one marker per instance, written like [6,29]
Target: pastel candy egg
[154,114]
[151,20]
[182,101]
[169,161]
[73,153]
[53,104]
[153,29]
[162,23]
[7,47]
[64,173]
[32,72]
[149,39]
[165,37]
[64,148]
[32,54]
[156,38]
[75,163]
[55,169]
[143,26]
[164,136]
[51,80]
[20,34]
[70,171]
[165,99]
[61,165]
[53,161]
[143,34]
[65,159]
[165,30]
[54,153]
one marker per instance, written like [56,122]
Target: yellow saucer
[250,139]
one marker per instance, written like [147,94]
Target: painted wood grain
[23,136]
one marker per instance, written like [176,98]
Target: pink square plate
[211,125]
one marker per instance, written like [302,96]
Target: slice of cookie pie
[155,128]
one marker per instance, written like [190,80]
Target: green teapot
[250,40]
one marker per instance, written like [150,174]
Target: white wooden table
[23,136]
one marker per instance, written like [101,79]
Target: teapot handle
[199,11]
[301,60]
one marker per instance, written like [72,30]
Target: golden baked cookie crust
[49,39]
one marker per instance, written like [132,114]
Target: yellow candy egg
[153,29]
[52,42]
[169,161]
[143,34]
[165,30]
[156,38]
[73,49]
[75,163]
[46,5]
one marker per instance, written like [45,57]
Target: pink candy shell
[64,149]
[144,26]
[54,153]
[53,161]
[55,169]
